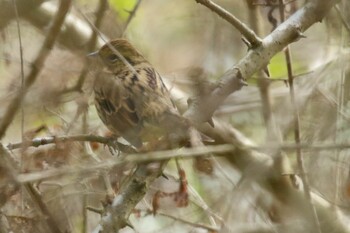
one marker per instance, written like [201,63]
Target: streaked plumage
[132,101]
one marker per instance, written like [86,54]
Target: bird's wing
[116,107]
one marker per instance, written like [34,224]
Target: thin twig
[168,154]
[38,201]
[91,45]
[198,225]
[342,18]
[300,161]
[249,34]
[130,158]
[35,196]
[36,142]
[131,15]
[17,101]
[116,52]
[270,80]
[9,184]
[272,3]
[233,80]
[36,66]
[21,59]
[264,81]
[334,103]
[22,83]
[197,200]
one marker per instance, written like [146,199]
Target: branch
[296,117]
[342,18]
[130,158]
[35,196]
[91,44]
[8,185]
[197,225]
[117,214]
[77,33]
[242,157]
[289,31]
[249,34]
[132,13]
[36,66]
[36,142]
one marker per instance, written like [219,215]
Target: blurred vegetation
[176,37]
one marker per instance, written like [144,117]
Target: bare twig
[197,200]
[22,77]
[296,118]
[74,138]
[252,38]
[36,142]
[342,18]
[91,45]
[264,81]
[334,103]
[17,101]
[9,184]
[21,59]
[37,200]
[36,66]
[131,15]
[85,214]
[290,31]
[134,158]
[35,196]
[198,225]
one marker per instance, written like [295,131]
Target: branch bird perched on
[131,98]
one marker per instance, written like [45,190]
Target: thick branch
[289,31]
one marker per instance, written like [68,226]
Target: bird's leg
[181,198]
[113,145]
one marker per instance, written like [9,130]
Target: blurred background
[188,44]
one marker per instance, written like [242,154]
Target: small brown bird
[130,96]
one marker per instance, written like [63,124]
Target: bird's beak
[93,54]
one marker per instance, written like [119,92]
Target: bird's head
[116,53]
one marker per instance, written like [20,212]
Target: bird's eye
[112,58]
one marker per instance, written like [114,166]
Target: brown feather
[131,100]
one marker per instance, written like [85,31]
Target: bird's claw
[113,146]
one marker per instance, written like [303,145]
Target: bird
[131,98]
